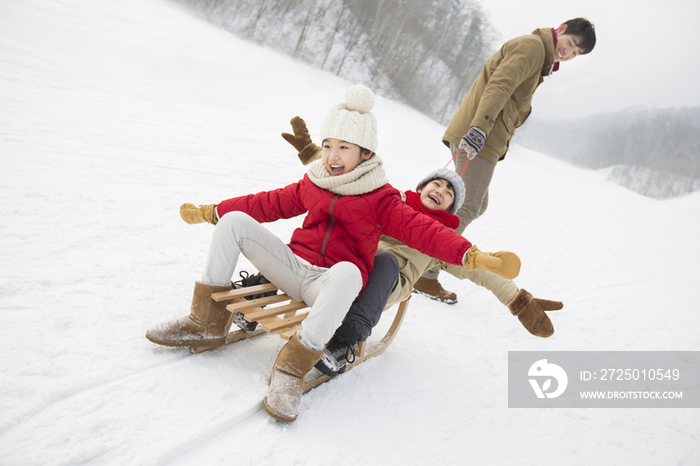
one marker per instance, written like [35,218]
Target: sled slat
[256,314]
[281,324]
[240,292]
[243,306]
[289,333]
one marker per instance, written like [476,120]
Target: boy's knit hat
[353,120]
[454,179]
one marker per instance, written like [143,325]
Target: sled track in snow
[66,395]
[238,422]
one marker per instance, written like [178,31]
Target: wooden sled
[283,315]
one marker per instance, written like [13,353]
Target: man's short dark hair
[585,30]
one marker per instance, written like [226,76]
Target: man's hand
[473,142]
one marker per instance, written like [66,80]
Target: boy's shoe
[336,357]
[252,280]
[246,281]
[434,290]
[239,320]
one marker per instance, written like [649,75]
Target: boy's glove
[530,312]
[192,214]
[301,140]
[503,263]
[473,142]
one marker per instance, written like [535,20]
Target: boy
[498,102]
[439,195]
[348,205]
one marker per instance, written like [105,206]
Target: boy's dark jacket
[347,228]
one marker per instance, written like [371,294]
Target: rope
[465,165]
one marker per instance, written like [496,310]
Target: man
[498,102]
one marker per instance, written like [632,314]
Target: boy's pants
[366,310]
[329,292]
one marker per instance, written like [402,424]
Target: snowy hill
[115,113]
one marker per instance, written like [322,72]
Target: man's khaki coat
[500,98]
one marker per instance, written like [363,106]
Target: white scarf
[365,178]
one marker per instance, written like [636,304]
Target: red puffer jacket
[347,228]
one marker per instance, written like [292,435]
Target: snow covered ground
[114,113]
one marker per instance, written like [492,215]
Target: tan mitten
[192,214]
[530,312]
[301,140]
[503,263]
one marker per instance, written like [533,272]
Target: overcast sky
[645,54]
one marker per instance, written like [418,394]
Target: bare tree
[423,52]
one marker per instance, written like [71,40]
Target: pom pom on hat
[353,120]
[359,99]
[454,179]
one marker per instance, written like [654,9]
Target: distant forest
[653,152]
[423,53]
[427,53]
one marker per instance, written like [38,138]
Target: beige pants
[328,291]
[502,288]
[477,179]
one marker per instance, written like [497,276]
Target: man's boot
[287,380]
[434,290]
[206,326]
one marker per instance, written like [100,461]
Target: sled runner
[283,315]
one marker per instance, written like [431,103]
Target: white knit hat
[454,179]
[353,120]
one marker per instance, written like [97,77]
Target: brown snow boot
[530,312]
[432,288]
[206,326]
[287,380]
